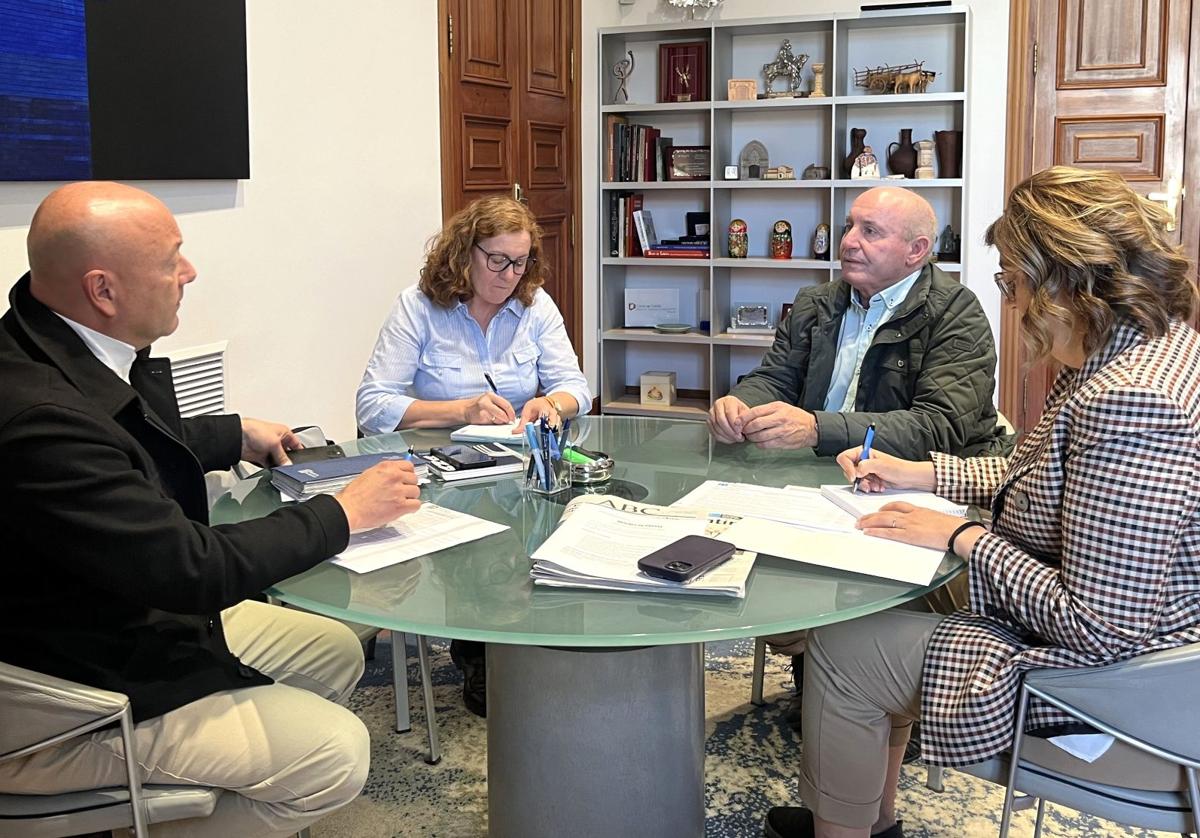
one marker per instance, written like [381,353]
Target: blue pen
[532,440]
[868,438]
[562,439]
[491,383]
[545,431]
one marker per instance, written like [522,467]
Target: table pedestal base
[602,742]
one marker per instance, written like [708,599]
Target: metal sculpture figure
[785,64]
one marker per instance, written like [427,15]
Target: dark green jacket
[926,380]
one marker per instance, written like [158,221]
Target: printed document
[796,505]
[599,540]
[429,529]
[852,551]
[863,503]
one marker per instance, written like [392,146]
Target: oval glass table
[595,698]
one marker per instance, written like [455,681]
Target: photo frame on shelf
[698,223]
[683,72]
[689,162]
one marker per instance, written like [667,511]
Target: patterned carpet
[750,765]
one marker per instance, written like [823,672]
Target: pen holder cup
[548,478]
[597,471]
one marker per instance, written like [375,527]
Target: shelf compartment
[651,336]
[683,409]
[637,185]
[772,184]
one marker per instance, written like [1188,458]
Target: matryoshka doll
[738,240]
[781,240]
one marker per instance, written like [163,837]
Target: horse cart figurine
[895,78]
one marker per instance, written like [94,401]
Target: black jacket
[113,577]
[926,381]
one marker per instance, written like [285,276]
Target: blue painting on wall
[123,90]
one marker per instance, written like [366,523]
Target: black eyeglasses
[1007,285]
[499,263]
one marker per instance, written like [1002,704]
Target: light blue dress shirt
[858,329]
[431,353]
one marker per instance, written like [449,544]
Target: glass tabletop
[482,590]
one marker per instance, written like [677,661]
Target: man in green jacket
[896,343]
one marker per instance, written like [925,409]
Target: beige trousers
[285,752]
[862,692]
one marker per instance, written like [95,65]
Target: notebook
[864,503]
[488,433]
[303,480]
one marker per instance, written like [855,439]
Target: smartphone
[320,452]
[462,456]
[686,558]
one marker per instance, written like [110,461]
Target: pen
[868,438]
[562,438]
[491,383]
[546,452]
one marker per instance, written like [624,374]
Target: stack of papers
[859,504]
[805,525]
[489,433]
[301,481]
[429,529]
[599,540]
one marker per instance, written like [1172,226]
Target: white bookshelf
[796,132]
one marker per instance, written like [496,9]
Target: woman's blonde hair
[1091,251]
[446,274]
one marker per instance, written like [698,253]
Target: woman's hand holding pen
[883,471]
[488,409]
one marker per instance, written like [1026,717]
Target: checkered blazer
[1094,553]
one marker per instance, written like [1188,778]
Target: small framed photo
[697,223]
[785,311]
[689,162]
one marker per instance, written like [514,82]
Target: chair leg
[756,678]
[1041,815]
[140,828]
[1010,788]
[435,748]
[1194,794]
[400,681]
[304,833]
[933,778]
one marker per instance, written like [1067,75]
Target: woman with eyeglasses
[476,341]
[1093,554]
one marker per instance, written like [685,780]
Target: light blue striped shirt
[431,353]
[858,329]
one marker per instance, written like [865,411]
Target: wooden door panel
[555,239]
[1107,42]
[547,65]
[487,159]
[1131,145]
[548,155]
[484,39]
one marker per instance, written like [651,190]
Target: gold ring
[893,523]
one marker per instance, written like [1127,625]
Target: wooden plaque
[683,72]
[741,90]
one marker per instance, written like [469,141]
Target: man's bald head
[891,235]
[103,254]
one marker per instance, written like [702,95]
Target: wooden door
[1098,84]
[510,116]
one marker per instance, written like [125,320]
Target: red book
[659,253]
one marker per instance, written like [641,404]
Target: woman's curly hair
[446,274]
[1091,251]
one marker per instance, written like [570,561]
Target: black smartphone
[319,452]
[686,558]
[463,456]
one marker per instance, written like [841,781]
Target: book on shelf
[600,538]
[644,223]
[507,462]
[675,253]
[301,481]
[633,153]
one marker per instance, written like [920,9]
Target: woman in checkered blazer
[1093,555]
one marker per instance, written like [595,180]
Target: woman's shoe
[797,822]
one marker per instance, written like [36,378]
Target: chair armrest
[37,708]
[1151,698]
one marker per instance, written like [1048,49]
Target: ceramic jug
[902,155]
[949,152]
[858,140]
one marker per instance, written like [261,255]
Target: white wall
[985,125]
[299,265]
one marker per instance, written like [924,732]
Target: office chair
[40,711]
[1148,702]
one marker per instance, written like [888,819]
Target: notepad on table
[864,503]
[489,433]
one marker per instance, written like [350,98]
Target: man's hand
[780,425]
[380,494]
[267,443]
[883,471]
[488,409]
[726,418]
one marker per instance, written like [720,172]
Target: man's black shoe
[793,714]
[797,822]
[469,658]
[798,672]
